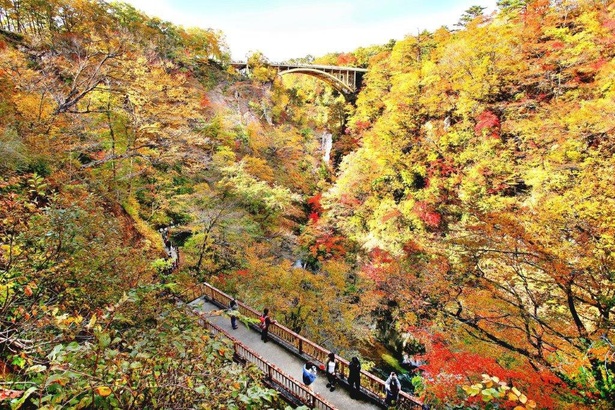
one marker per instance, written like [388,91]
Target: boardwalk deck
[281,358]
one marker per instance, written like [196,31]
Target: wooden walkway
[282,359]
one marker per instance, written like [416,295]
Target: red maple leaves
[487,124]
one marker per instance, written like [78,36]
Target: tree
[265,202]
[324,306]
[508,5]
[469,15]
[218,227]
[259,67]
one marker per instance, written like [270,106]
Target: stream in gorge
[385,359]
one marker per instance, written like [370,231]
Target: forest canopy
[465,221]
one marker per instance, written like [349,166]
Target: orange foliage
[361,126]
[205,102]
[381,266]
[447,367]
[412,247]
[349,200]
[346,59]
[394,213]
[315,203]
[328,245]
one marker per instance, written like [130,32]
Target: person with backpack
[309,374]
[354,377]
[232,311]
[331,371]
[265,322]
[392,386]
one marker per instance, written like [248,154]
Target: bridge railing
[273,375]
[370,384]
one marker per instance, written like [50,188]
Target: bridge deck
[280,357]
[243,64]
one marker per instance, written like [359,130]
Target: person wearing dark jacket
[354,377]
[265,322]
[233,313]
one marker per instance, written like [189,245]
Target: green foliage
[13,152]
[470,14]
[599,373]
[138,367]
[258,197]
[418,385]
[393,363]
[512,4]
[162,265]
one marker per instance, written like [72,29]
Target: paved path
[282,358]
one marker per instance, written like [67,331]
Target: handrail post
[300,346]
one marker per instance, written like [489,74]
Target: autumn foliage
[465,217]
[485,177]
[94,99]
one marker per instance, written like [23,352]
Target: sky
[285,29]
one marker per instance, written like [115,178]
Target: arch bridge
[346,80]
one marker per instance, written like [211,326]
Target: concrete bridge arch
[346,80]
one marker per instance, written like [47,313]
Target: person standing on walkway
[392,387]
[309,374]
[165,238]
[265,322]
[331,371]
[233,313]
[354,377]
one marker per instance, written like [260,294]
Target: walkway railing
[370,384]
[273,375]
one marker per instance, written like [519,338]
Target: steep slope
[482,196]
